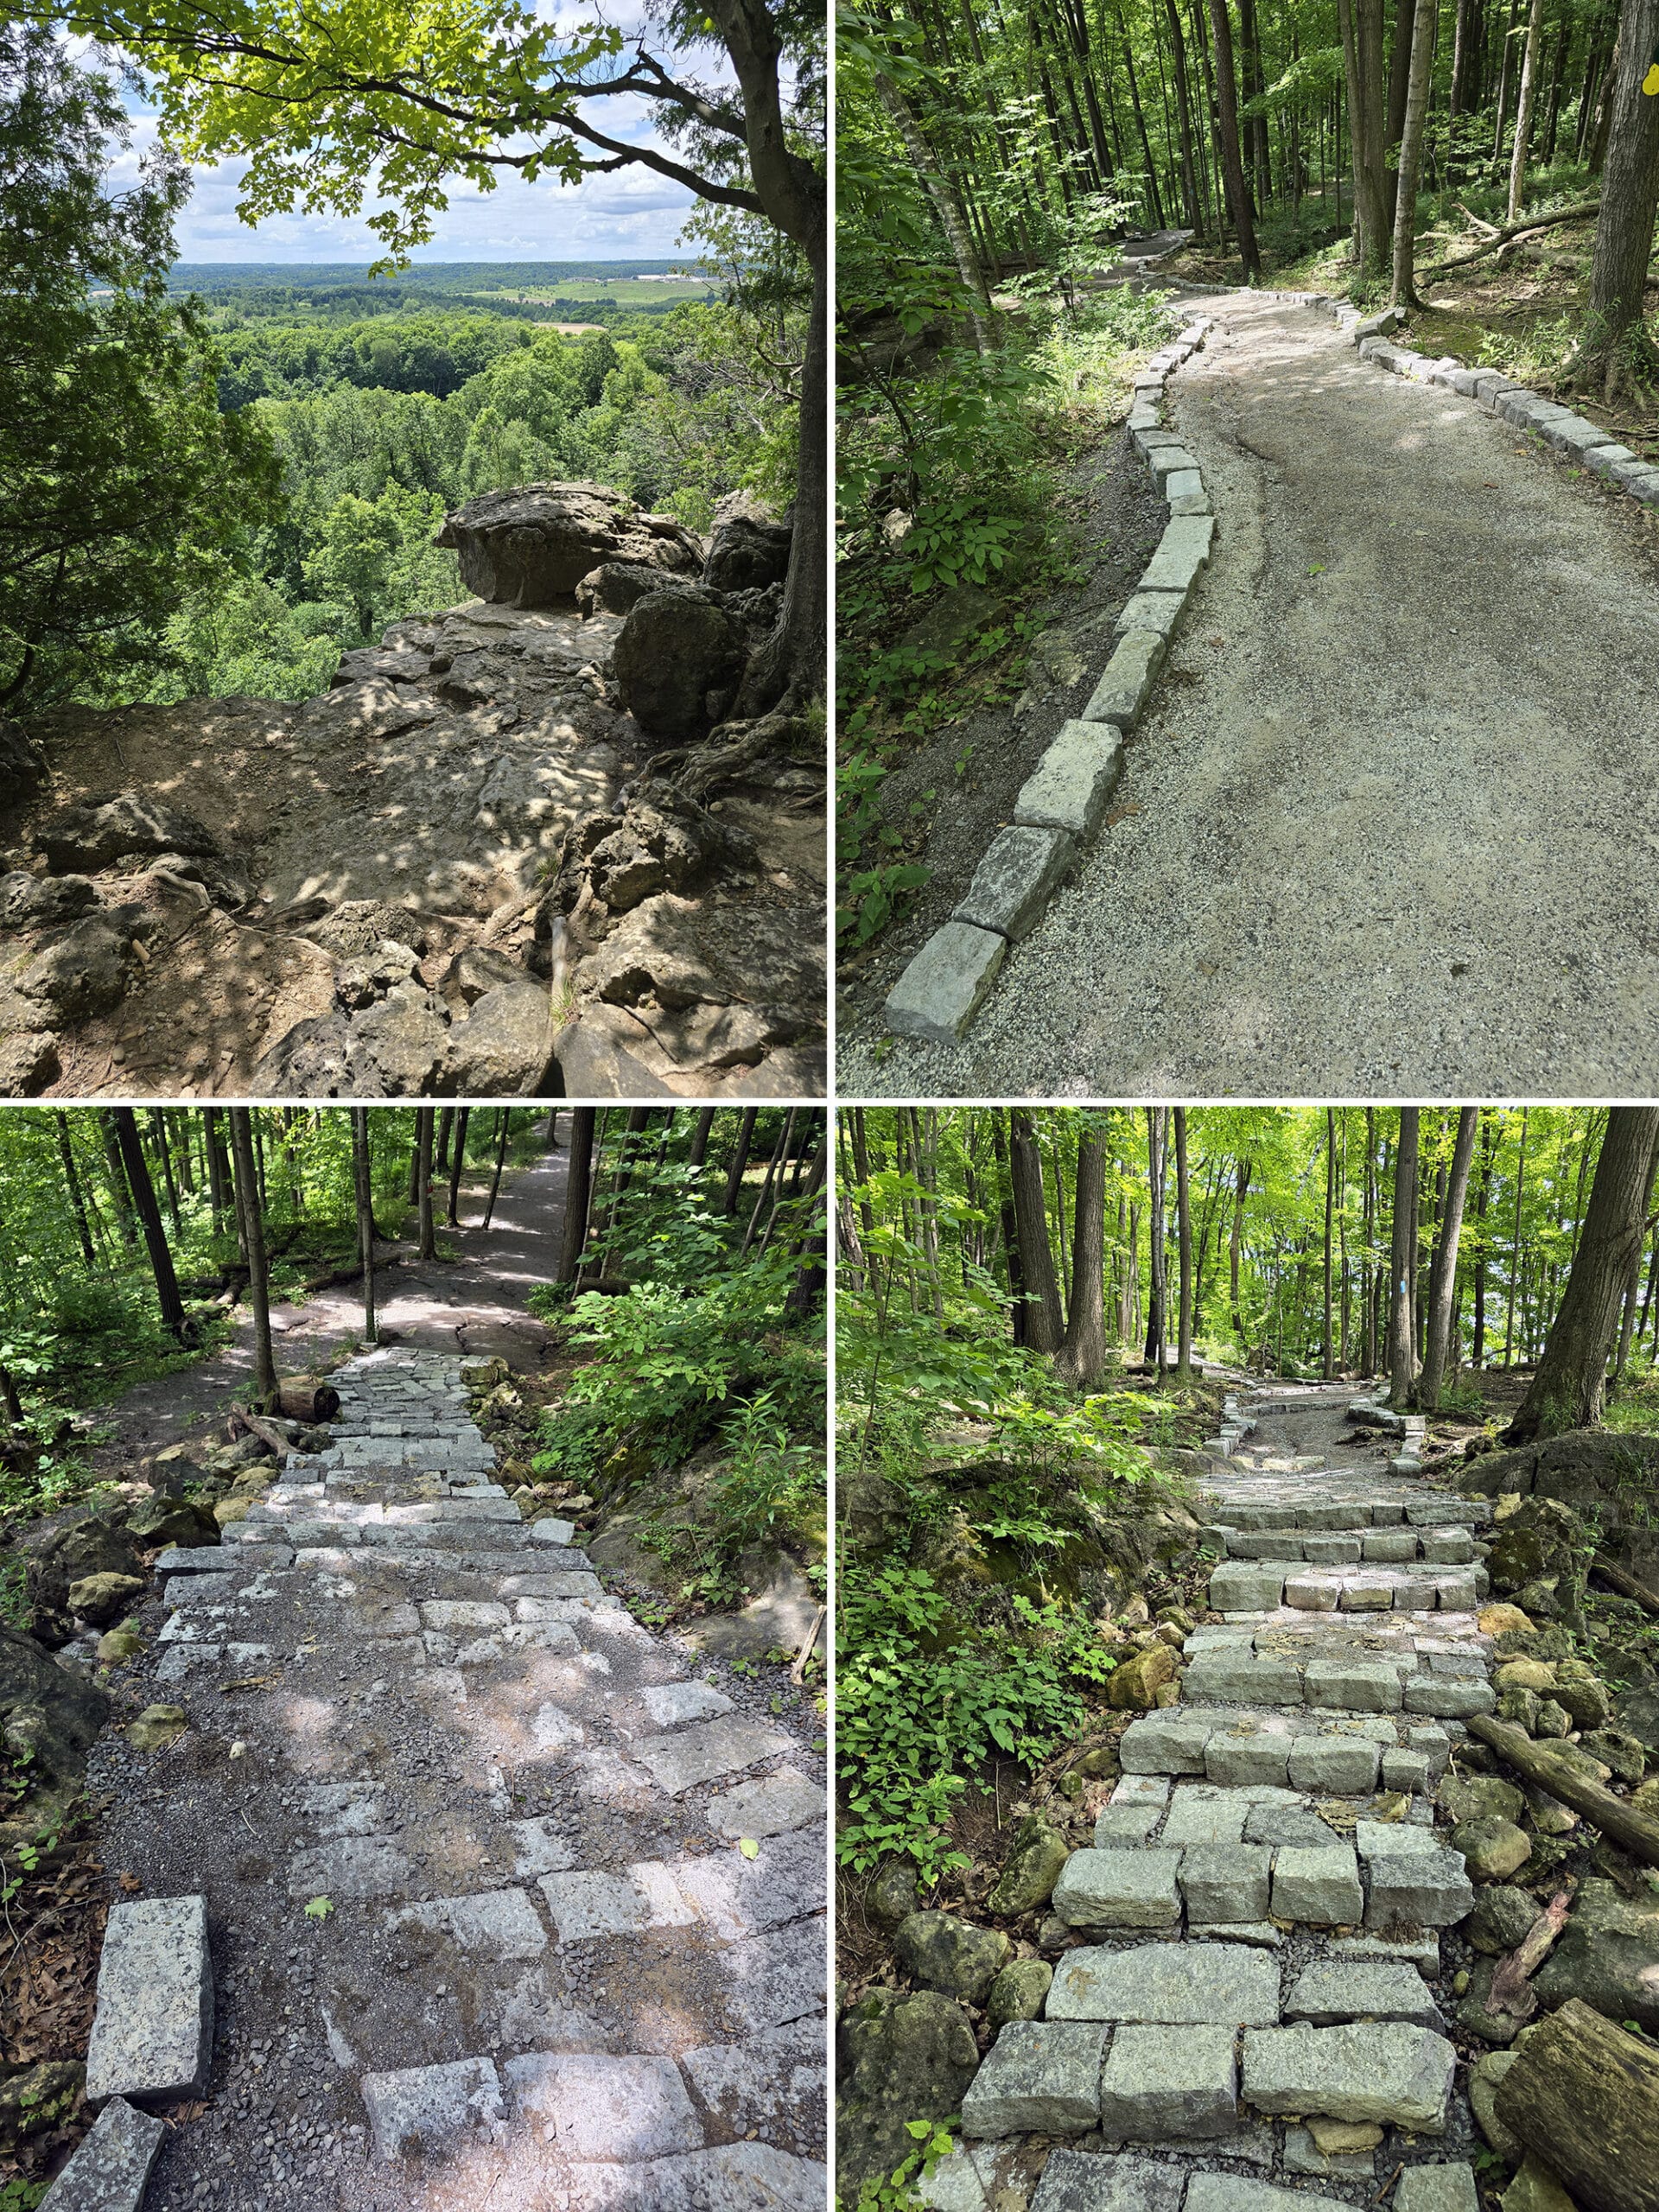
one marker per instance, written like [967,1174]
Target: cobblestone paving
[572,1954]
[1251,2020]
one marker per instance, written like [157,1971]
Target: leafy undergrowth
[956,526]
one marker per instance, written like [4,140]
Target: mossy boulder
[1473,1797]
[941,1952]
[1503,1916]
[892,1895]
[1133,1685]
[1018,1992]
[158,1521]
[101,1598]
[1493,1848]
[1030,1871]
[1541,1542]
[1608,1955]
[156,1727]
[1588,1699]
[902,2058]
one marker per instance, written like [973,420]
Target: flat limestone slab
[1207,1984]
[153,2032]
[425,2109]
[707,1750]
[1383,2070]
[613,2108]
[945,984]
[111,2165]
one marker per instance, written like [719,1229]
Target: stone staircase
[1249,2023]
[546,1974]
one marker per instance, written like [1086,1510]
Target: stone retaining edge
[1063,802]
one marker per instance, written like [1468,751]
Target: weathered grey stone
[1225,2192]
[1155,610]
[354,1867]
[613,2108]
[1334,1990]
[1573,435]
[1209,1985]
[1035,1859]
[902,2058]
[1344,1764]
[672,1704]
[1119,1889]
[1018,1992]
[586,1905]
[767,2084]
[1226,1882]
[1165,461]
[1245,1586]
[1128,676]
[1383,2070]
[1318,1885]
[1420,1888]
[1437,2189]
[1164,2084]
[1078,2181]
[153,2031]
[941,1952]
[111,2166]
[1182,552]
[1165,1743]
[1302,2155]
[1038,2077]
[1125,1824]
[1070,786]
[775,1802]
[1185,493]
[945,984]
[1203,1816]
[1405,1771]
[1013,882]
[1352,1685]
[1608,1956]
[423,2110]
[724,2179]
[497,1924]
[1236,1758]
[708,1751]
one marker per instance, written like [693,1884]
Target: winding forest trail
[1390,822]
[1261,1952]
[549,1978]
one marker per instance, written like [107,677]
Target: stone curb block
[1063,799]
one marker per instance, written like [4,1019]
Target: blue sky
[630,212]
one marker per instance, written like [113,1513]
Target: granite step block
[152,2036]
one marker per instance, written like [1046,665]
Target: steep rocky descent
[546,1972]
[409,885]
[1248,1994]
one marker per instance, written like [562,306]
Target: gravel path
[1398,793]
[1255,1961]
[549,1978]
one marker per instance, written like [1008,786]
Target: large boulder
[397,1049]
[1608,1955]
[1541,1541]
[164,1519]
[95,832]
[612,587]
[503,1049]
[1030,1869]
[941,1952]
[678,662]
[29,1061]
[48,1716]
[533,545]
[39,902]
[23,764]
[902,2058]
[97,1544]
[81,974]
[748,552]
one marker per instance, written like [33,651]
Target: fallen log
[1501,237]
[1512,1991]
[266,1431]
[1633,1831]
[1585,2096]
[1626,1585]
[304,1397]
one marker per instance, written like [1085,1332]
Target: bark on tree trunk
[72,1181]
[1328,1368]
[363,1180]
[253,1237]
[502,1127]
[1444,1278]
[136,1169]
[700,1129]
[1568,1389]
[739,1161]
[425,1117]
[1157,1284]
[1238,195]
[1402,1356]
[463,1115]
[1630,195]
[1184,1242]
[1411,154]
[946,205]
[1043,1328]
[578,1179]
[1362,56]
[1584,2095]
[1524,109]
[1082,1355]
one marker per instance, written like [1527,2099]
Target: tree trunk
[1403,1358]
[363,1180]
[1583,2096]
[1184,118]
[120,1190]
[1157,1273]
[446,1123]
[163,1153]
[1411,154]
[700,1129]
[425,1117]
[1630,195]
[1044,1329]
[253,1237]
[1019,1315]
[577,1185]
[1329,1366]
[1633,1282]
[1361,22]
[502,1128]
[1443,1280]
[463,1115]
[1184,1246]
[1238,194]
[131,1152]
[946,205]
[739,1161]
[1236,1249]
[1524,110]
[1568,1389]
[1082,1358]
[72,1182]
